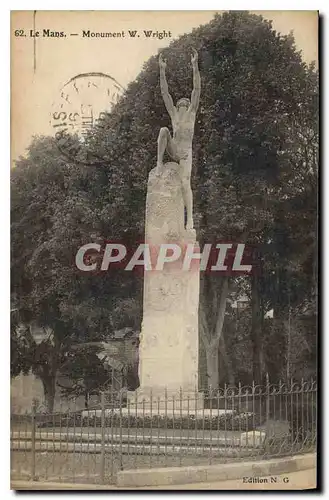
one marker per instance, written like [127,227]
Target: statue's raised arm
[164,87]
[195,97]
[179,145]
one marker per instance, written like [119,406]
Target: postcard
[164,274]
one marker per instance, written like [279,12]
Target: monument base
[162,401]
[169,343]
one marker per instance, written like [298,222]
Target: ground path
[305,479]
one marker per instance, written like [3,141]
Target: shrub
[229,422]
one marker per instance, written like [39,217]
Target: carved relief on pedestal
[162,291]
[164,205]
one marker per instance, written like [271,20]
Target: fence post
[267,413]
[33,430]
[103,438]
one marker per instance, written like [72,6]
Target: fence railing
[131,431]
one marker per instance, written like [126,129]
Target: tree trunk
[256,331]
[212,367]
[226,361]
[211,334]
[278,356]
[202,366]
[49,388]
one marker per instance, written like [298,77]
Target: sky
[40,67]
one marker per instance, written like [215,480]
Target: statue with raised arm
[179,146]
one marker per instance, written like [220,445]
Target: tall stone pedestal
[168,351]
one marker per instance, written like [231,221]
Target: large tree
[55,208]
[255,90]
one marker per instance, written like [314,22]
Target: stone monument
[168,351]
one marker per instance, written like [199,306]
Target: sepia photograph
[164,185]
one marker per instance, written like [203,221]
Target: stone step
[244,439]
[132,449]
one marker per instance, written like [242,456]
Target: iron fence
[132,431]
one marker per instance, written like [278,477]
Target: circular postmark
[81,104]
